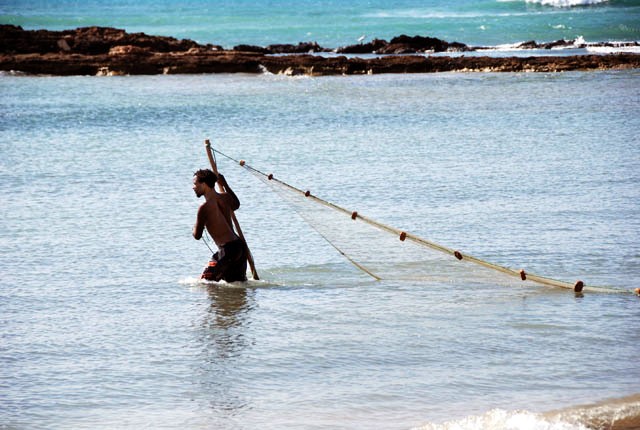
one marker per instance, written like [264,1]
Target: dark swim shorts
[229,263]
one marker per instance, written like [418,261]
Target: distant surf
[566,3]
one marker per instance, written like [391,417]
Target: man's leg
[237,270]
[232,266]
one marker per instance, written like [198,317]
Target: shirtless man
[230,262]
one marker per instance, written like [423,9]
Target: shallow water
[103,325]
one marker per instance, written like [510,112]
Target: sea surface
[334,23]
[104,324]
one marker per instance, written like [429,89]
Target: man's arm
[234,202]
[198,228]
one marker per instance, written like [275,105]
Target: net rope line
[402,235]
[344,254]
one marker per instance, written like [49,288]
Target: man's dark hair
[206,176]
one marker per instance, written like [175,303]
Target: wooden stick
[252,265]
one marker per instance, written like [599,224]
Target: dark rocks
[404,45]
[314,65]
[14,40]
[121,61]
[129,50]
[109,51]
[410,45]
[576,43]
[364,48]
[85,40]
[300,48]
[251,48]
[532,44]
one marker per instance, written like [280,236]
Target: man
[230,262]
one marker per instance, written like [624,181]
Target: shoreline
[106,51]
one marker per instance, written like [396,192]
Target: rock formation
[109,51]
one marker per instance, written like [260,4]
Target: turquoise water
[338,23]
[104,326]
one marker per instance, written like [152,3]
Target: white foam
[499,419]
[191,281]
[566,3]
[12,73]
[613,49]
[428,14]
[507,47]
[264,70]
[579,41]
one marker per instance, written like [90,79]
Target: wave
[12,73]
[499,419]
[567,3]
[448,14]
[614,414]
[569,47]
[613,49]
[425,14]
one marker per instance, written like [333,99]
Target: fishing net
[384,252]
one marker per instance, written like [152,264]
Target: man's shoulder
[215,202]
[226,197]
[230,201]
[207,205]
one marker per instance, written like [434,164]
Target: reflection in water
[229,307]
[223,337]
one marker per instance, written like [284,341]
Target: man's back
[215,215]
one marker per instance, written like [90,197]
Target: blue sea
[334,23]
[104,324]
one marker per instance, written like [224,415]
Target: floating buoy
[637,291]
[578,286]
[403,236]
[270,177]
[354,215]
[458,255]
[307,193]
[242,162]
[523,275]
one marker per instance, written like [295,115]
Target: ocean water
[335,23]
[103,324]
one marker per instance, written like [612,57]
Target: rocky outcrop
[363,48]
[300,48]
[316,66]
[85,41]
[532,44]
[108,51]
[122,62]
[404,45]
[411,45]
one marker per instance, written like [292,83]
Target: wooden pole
[252,265]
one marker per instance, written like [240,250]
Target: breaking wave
[566,3]
[614,414]
[499,419]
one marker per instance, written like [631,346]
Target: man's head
[202,179]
